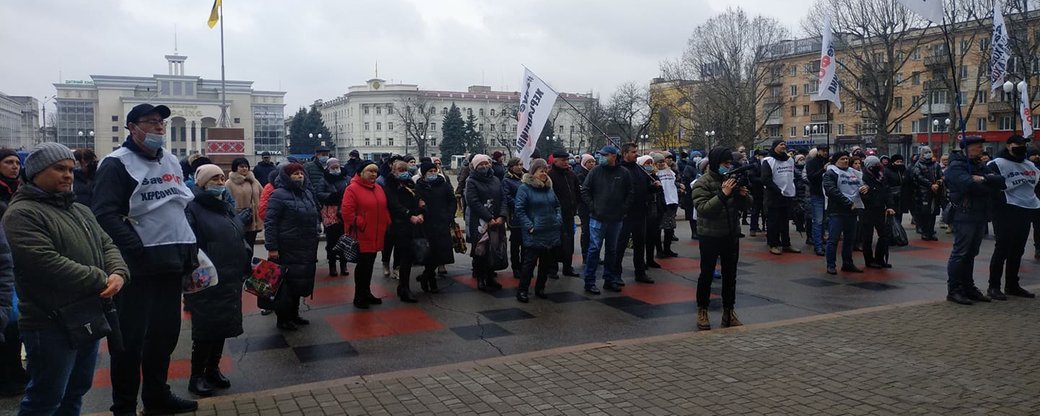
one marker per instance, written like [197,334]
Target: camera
[741,175]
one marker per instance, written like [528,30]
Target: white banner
[928,9]
[1025,110]
[999,49]
[536,102]
[828,77]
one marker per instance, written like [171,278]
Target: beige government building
[91,113]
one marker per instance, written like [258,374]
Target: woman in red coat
[365,212]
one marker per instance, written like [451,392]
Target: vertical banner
[536,102]
[999,53]
[928,9]
[1025,110]
[828,77]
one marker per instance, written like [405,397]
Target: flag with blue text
[536,102]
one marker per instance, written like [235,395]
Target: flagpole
[223,85]
[560,96]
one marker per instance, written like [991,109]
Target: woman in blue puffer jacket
[538,212]
[291,239]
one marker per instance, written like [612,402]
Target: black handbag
[348,246]
[898,234]
[84,321]
[421,251]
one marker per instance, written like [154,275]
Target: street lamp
[1009,88]
[89,134]
[709,135]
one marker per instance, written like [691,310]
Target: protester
[673,192]
[843,187]
[13,377]
[263,169]
[439,197]
[315,167]
[927,178]
[245,189]
[587,163]
[62,257]
[146,220]
[365,216]
[334,182]
[878,205]
[350,169]
[778,180]
[216,312]
[486,213]
[799,211]
[608,192]
[898,182]
[1013,212]
[758,210]
[633,226]
[406,219]
[539,213]
[654,211]
[496,164]
[291,239]
[718,201]
[815,167]
[511,183]
[972,189]
[567,190]
[83,176]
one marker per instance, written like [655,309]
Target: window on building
[1005,123]
[984,44]
[368,142]
[898,128]
[980,124]
[964,71]
[433,126]
[115,139]
[115,129]
[469,112]
[897,102]
[238,120]
[492,112]
[364,109]
[379,141]
[480,127]
[841,129]
[965,44]
[939,97]
[493,128]
[433,141]
[115,118]
[794,131]
[794,90]
[915,100]
[794,111]
[981,97]
[774,131]
[379,110]
[390,126]
[366,126]
[390,141]
[805,110]
[915,79]
[389,109]
[859,106]
[481,112]
[379,125]
[444,111]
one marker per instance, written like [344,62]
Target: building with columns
[91,113]
[371,117]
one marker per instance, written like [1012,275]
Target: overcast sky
[318,48]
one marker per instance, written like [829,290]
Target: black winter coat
[291,227]
[899,186]
[83,186]
[510,185]
[483,202]
[608,192]
[922,176]
[263,171]
[641,187]
[440,213]
[878,198]
[567,188]
[581,173]
[216,312]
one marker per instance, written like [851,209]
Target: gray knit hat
[44,155]
[538,163]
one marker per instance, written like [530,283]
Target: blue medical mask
[723,169]
[216,190]
[648,168]
[323,159]
[404,176]
[432,177]
[601,160]
[154,141]
[412,169]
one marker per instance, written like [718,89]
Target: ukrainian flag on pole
[214,15]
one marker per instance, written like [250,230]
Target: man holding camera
[719,200]
[778,179]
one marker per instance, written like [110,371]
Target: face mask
[154,141]
[1019,151]
[323,159]
[404,176]
[298,182]
[432,178]
[648,168]
[723,170]
[216,190]
[335,171]
[484,170]
[601,160]
[412,169]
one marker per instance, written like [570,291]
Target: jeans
[778,230]
[150,319]
[59,375]
[634,228]
[545,259]
[818,220]
[1011,228]
[584,238]
[714,249]
[603,236]
[845,226]
[967,237]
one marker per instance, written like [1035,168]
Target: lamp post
[935,126]
[311,135]
[90,134]
[642,140]
[708,137]
[1009,88]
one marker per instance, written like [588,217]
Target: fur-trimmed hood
[531,181]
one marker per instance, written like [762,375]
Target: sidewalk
[921,358]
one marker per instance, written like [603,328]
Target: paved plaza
[580,343]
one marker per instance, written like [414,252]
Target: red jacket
[265,195]
[366,203]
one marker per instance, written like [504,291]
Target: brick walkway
[919,358]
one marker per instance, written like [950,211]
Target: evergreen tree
[299,141]
[546,145]
[474,138]
[453,133]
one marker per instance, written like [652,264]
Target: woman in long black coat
[440,201]
[406,215]
[291,239]
[216,312]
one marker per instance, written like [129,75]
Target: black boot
[332,267]
[343,268]
[432,281]
[197,384]
[405,295]
[213,375]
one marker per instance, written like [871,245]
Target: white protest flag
[828,78]
[998,49]
[928,9]
[536,102]
[1025,110]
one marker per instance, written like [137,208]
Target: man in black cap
[778,179]
[353,164]
[315,168]
[972,187]
[1013,211]
[142,209]
[815,167]
[565,185]
[263,169]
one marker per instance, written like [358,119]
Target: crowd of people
[115,262]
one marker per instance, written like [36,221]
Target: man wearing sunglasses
[139,200]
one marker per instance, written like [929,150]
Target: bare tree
[630,111]
[415,113]
[1025,47]
[726,53]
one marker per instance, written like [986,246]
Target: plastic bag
[204,276]
[897,232]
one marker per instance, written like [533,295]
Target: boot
[213,375]
[405,295]
[197,384]
[343,268]
[522,296]
[332,268]
[424,283]
[702,319]
[432,281]
[481,283]
[1016,290]
[957,296]
[729,318]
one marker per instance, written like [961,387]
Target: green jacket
[61,254]
[717,214]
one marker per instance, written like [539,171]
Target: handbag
[83,321]
[458,238]
[203,277]
[348,248]
[421,250]
[265,278]
[895,229]
[330,215]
